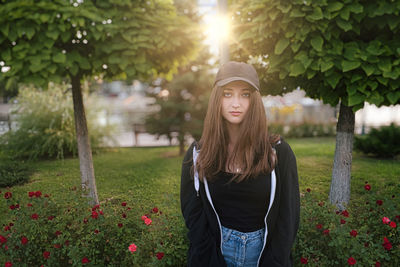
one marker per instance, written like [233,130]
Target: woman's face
[235,101]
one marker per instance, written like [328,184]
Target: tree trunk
[340,186]
[181,139]
[88,181]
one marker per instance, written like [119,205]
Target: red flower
[123,204]
[155,210]
[379,202]
[132,247]
[308,190]
[320,203]
[50,218]
[393,224]
[345,213]
[303,260]
[101,212]
[147,221]
[85,260]
[57,245]
[319,226]
[366,244]
[367,187]
[6,228]
[46,254]
[66,243]
[123,215]
[398,217]
[57,233]
[34,216]
[353,233]
[8,264]
[3,239]
[120,225]
[386,244]
[385,220]
[85,220]
[38,194]
[144,217]
[46,195]
[377,264]
[95,215]
[342,221]
[7,195]
[31,194]
[29,204]
[96,231]
[24,240]
[95,207]
[160,255]
[12,207]
[326,232]
[351,261]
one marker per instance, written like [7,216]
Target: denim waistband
[248,235]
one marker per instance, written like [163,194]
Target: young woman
[239,185]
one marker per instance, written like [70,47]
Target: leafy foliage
[12,172]
[346,50]
[48,41]
[383,142]
[45,125]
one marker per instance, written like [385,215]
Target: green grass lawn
[149,177]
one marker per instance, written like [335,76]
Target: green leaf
[6,55]
[356,77]
[368,69]
[36,67]
[5,28]
[356,8]
[59,58]
[30,32]
[296,13]
[317,42]
[52,34]
[385,65]
[317,14]
[334,6]
[44,18]
[295,46]
[84,63]
[375,48]
[281,46]
[296,69]
[326,65]
[333,79]
[376,98]
[350,65]
[382,80]
[393,97]
[355,99]
[344,25]
[345,14]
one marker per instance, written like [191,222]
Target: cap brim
[232,79]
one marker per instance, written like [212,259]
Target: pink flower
[367,187]
[155,210]
[393,224]
[379,202]
[147,221]
[386,244]
[144,217]
[351,261]
[160,255]
[353,233]
[385,220]
[303,260]
[85,260]
[123,204]
[132,247]
[46,254]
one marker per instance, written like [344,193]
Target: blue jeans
[241,249]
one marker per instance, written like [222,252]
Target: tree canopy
[335,50]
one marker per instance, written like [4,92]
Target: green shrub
[383,142]
[366,234]
[38,231]
[305,129]
[13,172]
[45,125]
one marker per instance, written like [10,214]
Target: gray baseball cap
[237,71]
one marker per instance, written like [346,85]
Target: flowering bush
[365,234]
[38,231]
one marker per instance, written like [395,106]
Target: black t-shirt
[241,206]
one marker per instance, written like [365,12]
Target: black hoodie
[282,221]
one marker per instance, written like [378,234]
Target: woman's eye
[246,95]
[227,94]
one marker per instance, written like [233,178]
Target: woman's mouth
[235,113]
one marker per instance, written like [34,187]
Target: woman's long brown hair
[253,151]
